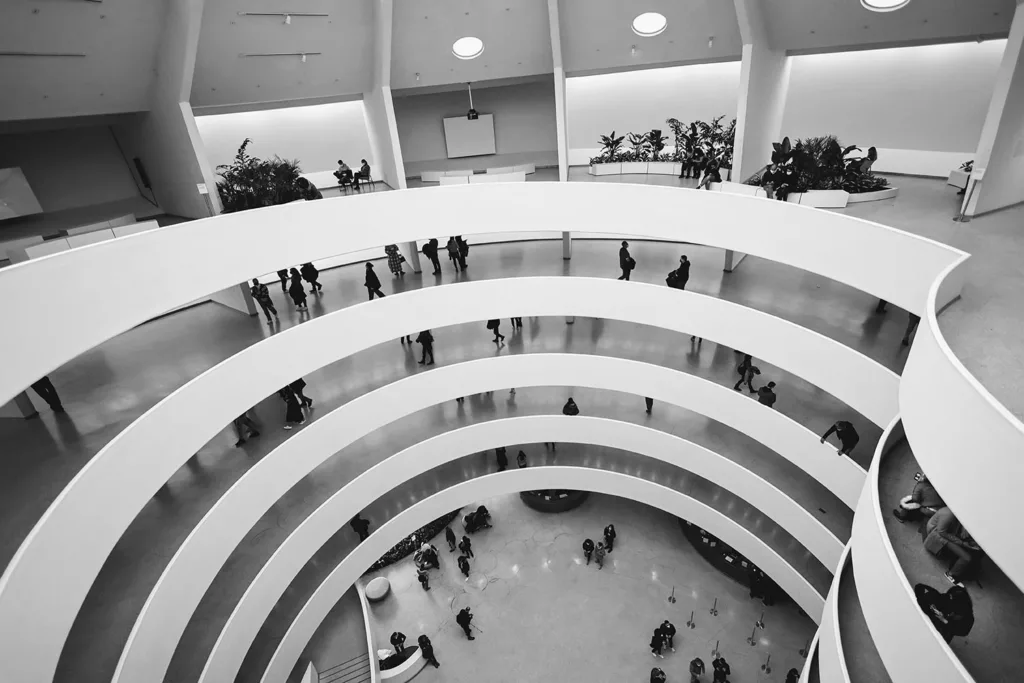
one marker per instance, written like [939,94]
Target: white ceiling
[345,38]
[517,40]
[597,34]
[118,37]
[824,24]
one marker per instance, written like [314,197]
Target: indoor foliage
[408,545]
[695,142]
[250,182]
[821,163]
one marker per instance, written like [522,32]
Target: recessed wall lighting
[649,24]
[884,5]
[468,48]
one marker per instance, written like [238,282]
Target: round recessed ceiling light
[468,48]
[884,5]
[649,24]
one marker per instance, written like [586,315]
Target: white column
[560,119]
[998,177]
[764,80]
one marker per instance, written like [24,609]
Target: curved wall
[971,447]
[910,647]
[39,599]
[599,481]
[231,248]
[831,660]
[281,569]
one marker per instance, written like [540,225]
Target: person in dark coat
[297,291]
[657,675]
[463,563]
[721,668]
[483,517]
[297,386]
[430,251]
[307,190]
[668,632]
[283,276]
[696,669]
[293,409]
[848,436]
[678,278]
[242,423]
[747,371]
[650,404]
[427,650]
[398,641]
[372,283]
[310,274]
[951,612]
[424,578]
[361,527]
[499,454]
[599,553]
[261,295]
[766,395]
[570,408]
[495,325]
[657,643]
[521,459]
[466,546]
[609,536]
[44,387]
[626,262]
[449,536]
[453,252]
[588,549]
[427,341]
[792,676]
[463,246]
[464,618]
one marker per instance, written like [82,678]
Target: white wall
[317,135]
[638,101]
[831,659]
[524,126]
[70,167]
[930,98]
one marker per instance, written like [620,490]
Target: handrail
[371,647]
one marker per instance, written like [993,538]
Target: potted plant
[250,182]
[608,161]
[660,163]
[635,160]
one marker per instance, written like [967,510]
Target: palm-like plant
[250,182]
[611,149]
[639,145]
[656,143]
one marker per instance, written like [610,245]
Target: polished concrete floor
[991,652]
[543,614]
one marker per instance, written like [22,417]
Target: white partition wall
[599,481]
[243,245]
[831,659]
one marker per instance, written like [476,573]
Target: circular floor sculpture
[378,589]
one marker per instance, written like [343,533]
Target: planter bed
[822,199]
[887,193]
[642,168]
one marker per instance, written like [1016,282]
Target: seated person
[307,190]
[484,516]
[343,174]
[924,500]
[951,612]
[363,173]
[944,532]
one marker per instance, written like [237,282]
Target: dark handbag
[672,279]
[632,263]
[492,324]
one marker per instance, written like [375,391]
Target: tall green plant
[611,149]
[250,182]
[656,143]
[640,151]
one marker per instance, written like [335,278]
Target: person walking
[44,387]
[609,536]
[371,283]
[453,252]
[502,458]
[650,404]
[668,632]
[430,251]
[310,274]
[570,408]
[463,246]
[361,527]
[464,619]
[521,460]
[426,339]
[657,675]
[261,295]
[424,578]
[398,641]
[696,669]
[495,325]
[466,546]
[588,549]
[657,643]
[449,536]
[766,395]
[242,423]
[792,676]
[293,409]
[848,436]
[297,386]
[297,291]
[599,553]
[721,669]
[747,370]
[427,650]
[283,276]
[517,323]
[463,563]
[626,262]
[678,278]
[395,260]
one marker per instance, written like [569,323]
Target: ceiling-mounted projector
[472,115]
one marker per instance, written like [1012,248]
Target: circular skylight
[468,48]
[884,5]
[649,24]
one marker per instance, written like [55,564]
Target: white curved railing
[909,646]
[511,481]
[831,659]
[298,548]
[812,650]
[364,605]
[39,599]
[971,447]
[231,248]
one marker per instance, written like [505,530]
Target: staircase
[355,670]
